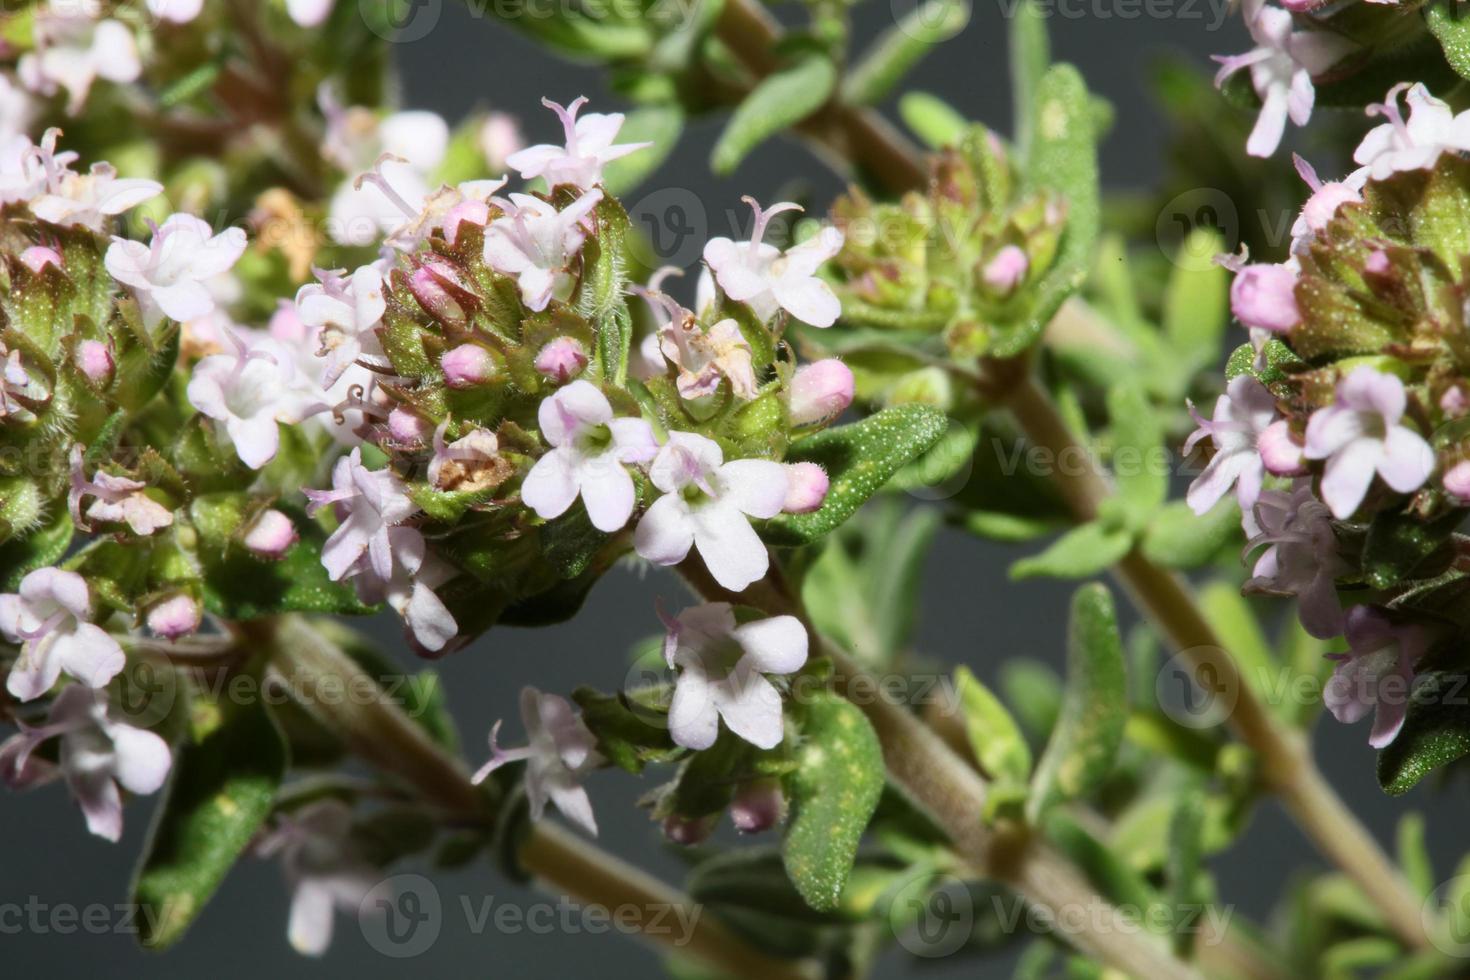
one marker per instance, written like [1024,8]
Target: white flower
[249,391]
[706,505]
[17,110]
[535,242]
[97,756]
[309,13]
[721,674]
[345,313]
[560,752]
[171,271]
[589,451]
[1431,129]
[51,619]
[86,199]
[589,147]
[74,50]
[22,169]
[115,499]
[396,153]
[1241,416]
[1281,65]
[324,868]
[176,11]
[1361,434]
[768,280]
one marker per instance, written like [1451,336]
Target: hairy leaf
[780,101]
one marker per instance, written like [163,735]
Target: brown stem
[1285,756]
[377,730]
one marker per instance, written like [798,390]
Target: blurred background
[971,612]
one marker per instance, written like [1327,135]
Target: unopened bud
[408,428]
[94,360]
[467,365]
[270,535]
[757,806]
[1264,296]
[820,391]
[174,617]
[1457,480]
[806,488]
[688,831]
[37,257]
[562,359]
[1005,272]
[1281,454]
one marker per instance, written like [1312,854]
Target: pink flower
[1456,480]
[249,391]
[806,488]
[324,867]
[561,751]
[562,359]
[1281,66]
[98,755]
[38,257]
[270,535]
[1416,144]
[1006,270]
[589,147]
[116,499]
[471,462]
[170,272]
[704,357]
[589,451]
[500,138]
[1280,453]
[535,243]
[707,505]
[722,670]
[176,616]
[309,13]
[51,619]
[95,362]
[1263,297]
[1242,415]
[1301,557]
[819,392]
[1376,673]
[1360,434]
[1326,198]
[346,313]
[769,280]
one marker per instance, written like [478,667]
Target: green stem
[1284,753]
[377,730]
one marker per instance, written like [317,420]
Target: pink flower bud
[270,535]
[688,831]
[1005,272]
[1264,296]
[95,361]
[1302,6]
[1377,264]
[467,365]
[471,210]
[37,257]
[1454,401]
[757,806]
[1281,454]
[806,488]
[286,324]
[174,617]
[562,359]
[408,428]
[426,286]
[1324,202]
[1457,480]
[820,391]
[500,136]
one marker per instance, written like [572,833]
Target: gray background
[971,612]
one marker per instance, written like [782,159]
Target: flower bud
[1324,202]
[1281,454]
[688,831]
[37,257]
[806,488]
[1378,263]
[500,136]
[95,361]
[467,365]
[1454,401]
[1457,480]
[1005,272]
[757,806]
[562,359]
[471,210]
[286,325]
[270,535]
[174,617]
[408,428]
[820,391]
[427,288]
[1264,296]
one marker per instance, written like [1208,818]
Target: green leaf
[1030,51]
[901,47]
[1435,733]
[661,125]
[1450,25]
[1413,854]
[39,549]
[1094,711]
[1080,553]
[1188,887]
[1196,300]
[994,735]
[780,101]
[1231,617]
[629,733]
[859,459]
[1177,537]
[237,585]
[1140,462]
[1400,545]
[833,793]
[219,794]
[932,119]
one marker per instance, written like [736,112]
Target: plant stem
[377,730]
[1285,755]
[920,761]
